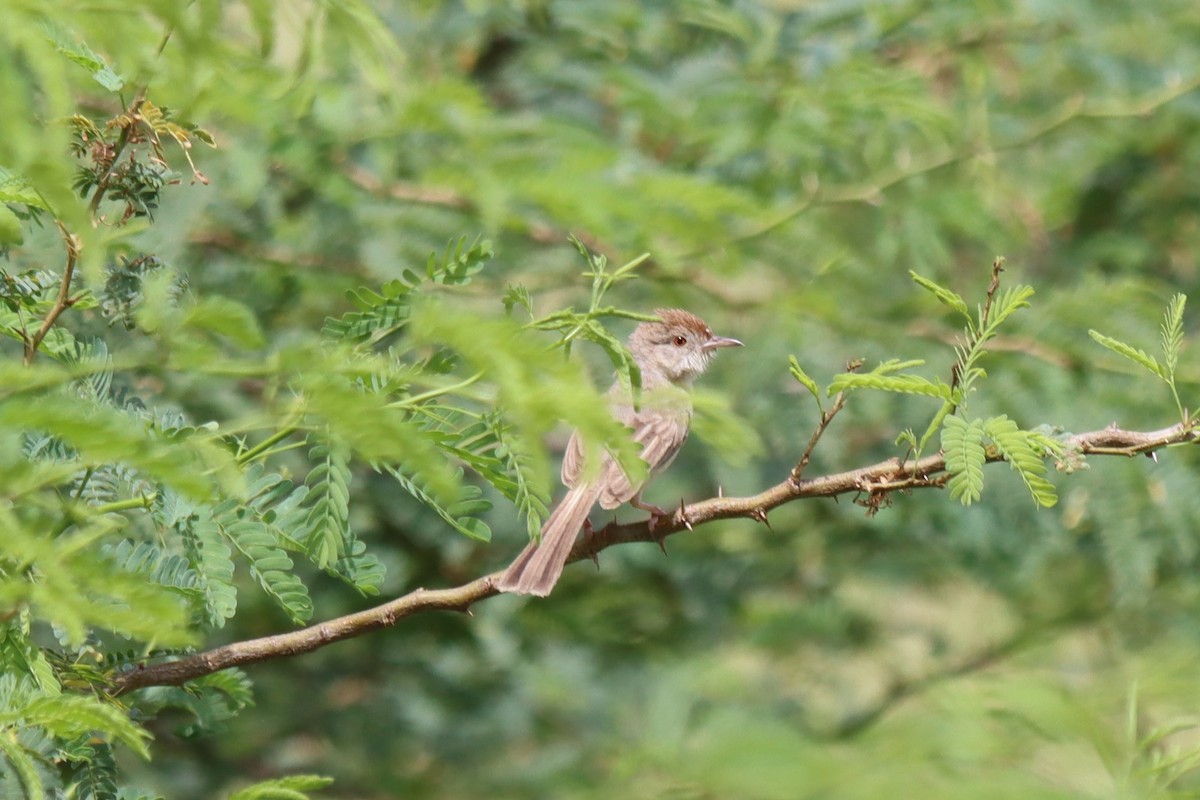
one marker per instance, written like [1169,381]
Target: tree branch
[62,302]
[871,485]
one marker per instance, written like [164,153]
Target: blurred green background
[785,164]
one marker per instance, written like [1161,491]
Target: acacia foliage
[132,530]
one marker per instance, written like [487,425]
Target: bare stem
[62,302]
[827,416]
[266,444]
[993,287]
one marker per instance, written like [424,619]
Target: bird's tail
[536,569]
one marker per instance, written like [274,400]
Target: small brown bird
[670,354]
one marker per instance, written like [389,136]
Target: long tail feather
[537,568]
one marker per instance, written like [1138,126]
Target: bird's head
[677,348]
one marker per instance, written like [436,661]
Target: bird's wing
[572,465]
[661,435]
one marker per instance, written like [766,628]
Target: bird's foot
[657,517]
[656,513]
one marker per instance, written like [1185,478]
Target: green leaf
[360,569]
[962,443]
[70,715]
[808,383]
[328,523]
[894,365]
[269,564]
[232,683]
[21,763]
[947,297]
[210,558]
[27,290]
[16,189]
[10,227]
[93,771]
[529,493]
[227,318]
[1172,333]
[104,435]
[151,561]
[364,420]
[621,359]
[79,53]
[1017,447]
[904,384]
[19,654]
[1006,303]
[293,787]
[535,386]
[573,326]
[378,315]
[457,514]
[209,701]
[459,262]
[1140,357]
[517,295]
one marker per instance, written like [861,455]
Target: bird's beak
[721,341]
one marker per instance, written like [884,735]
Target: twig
[827,416]
[880,479]
[64,299]
[993,287]
[266,444]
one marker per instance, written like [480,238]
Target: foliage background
[785,164]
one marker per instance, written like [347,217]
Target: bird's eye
[680,341]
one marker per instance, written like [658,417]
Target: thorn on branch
[683,515]
[760,515]
[839,403]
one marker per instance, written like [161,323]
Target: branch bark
[871,487]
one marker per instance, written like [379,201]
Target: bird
[671,353]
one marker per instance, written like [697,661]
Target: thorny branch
[878,482]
